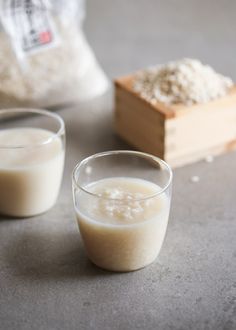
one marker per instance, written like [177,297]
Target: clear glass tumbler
[32,149]
[122,202]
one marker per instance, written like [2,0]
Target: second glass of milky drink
[122,202]
[32,149]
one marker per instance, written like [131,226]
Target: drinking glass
[122,231]
[32,148]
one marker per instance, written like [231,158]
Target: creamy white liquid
[122,235]
[30,177]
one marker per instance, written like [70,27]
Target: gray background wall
[129,34]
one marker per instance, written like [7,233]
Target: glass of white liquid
[32,149]
[122,203]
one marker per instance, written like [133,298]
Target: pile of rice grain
[186,81]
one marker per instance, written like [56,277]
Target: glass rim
[116,152]
[42,112]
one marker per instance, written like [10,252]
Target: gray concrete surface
[46,281]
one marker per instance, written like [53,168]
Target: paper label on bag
[29,23]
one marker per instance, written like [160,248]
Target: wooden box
[176,133]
